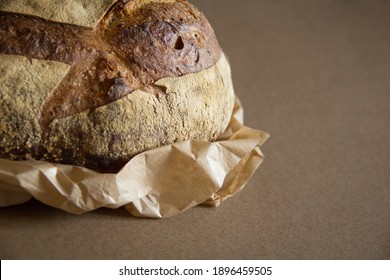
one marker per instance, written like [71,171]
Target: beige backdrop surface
[316,76]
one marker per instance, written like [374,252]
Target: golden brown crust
[135,44]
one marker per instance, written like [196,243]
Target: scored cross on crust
[133,45]
[96,84]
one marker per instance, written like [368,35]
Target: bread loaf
[94,83]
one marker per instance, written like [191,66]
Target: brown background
[316,76]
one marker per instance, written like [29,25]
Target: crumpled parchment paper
[158,183]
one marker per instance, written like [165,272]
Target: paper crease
[158,183]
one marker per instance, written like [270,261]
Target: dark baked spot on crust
[102,163]
[179,45]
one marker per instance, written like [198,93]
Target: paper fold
[158,183]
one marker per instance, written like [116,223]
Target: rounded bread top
[131,47]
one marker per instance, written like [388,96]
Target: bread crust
[114,100]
